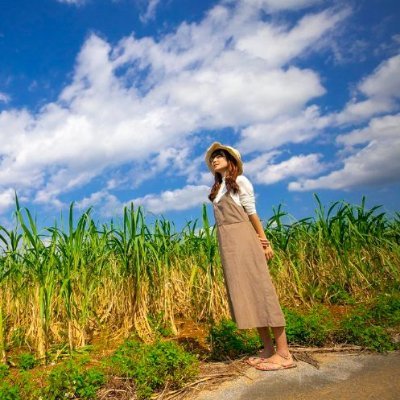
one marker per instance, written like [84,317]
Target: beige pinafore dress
[251,295]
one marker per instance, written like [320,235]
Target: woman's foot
[262,356]
[276,362]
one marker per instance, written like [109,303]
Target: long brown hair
[230,176]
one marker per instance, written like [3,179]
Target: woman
[244,247]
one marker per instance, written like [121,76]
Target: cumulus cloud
[107,204]
[7,199]
[264,169]
[385,81]
[142,102]
[369,155]
[173,200]
[381,91]
[377,163]
[283,129]
[277,44]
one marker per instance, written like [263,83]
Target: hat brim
[219,146]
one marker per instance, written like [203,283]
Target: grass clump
[4,371]
[26,361]
[338,295]
[27,386]
[72,380]
[385,310]
[312,328]
[355,330]
[125,358]
[9,392]
[227,341]
[368,324]
[158,325]
[153,366]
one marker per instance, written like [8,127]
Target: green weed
[356,330]
[154,366]
[385,310]
[227,341]
[4,371]
[9,392]
[367,324]
[26,361]
[312,328]
[124,360]
[164,363]
[70,380]
[28,387]
[338,295]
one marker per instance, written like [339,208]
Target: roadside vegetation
[84,304]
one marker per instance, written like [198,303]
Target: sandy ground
[339,377]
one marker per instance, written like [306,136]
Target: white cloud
[7,199]
[4,98]
[223,99]
[75,2]
[263,171]
[108,205]
[279,5]
[150,11]
[375,164]
[284,129]
[103,202]
[384,130]
[276,44]
[180,199]
[141,102]
[257,164]
[385,80]
[360,111]
[381,89]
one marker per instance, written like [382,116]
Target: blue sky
[104,102]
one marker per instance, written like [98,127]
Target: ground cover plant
[368,325]
[228,342]
[72,380]
[149,368]
[73,283]
[371,325]
[153,366]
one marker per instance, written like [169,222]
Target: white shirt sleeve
[246,195]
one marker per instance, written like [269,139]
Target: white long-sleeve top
[245,196]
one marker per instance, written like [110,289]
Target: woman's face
[219,162]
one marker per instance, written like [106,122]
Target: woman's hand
[269,253]
[266,245]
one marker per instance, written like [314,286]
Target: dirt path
[340,377]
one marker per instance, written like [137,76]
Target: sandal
[270,365]
[253,361]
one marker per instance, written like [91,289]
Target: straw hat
[233,152]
